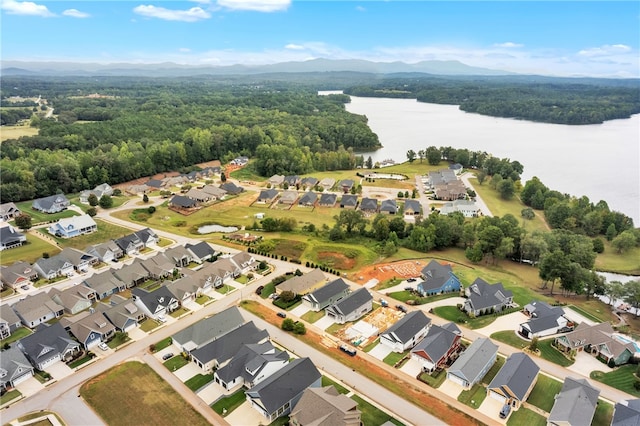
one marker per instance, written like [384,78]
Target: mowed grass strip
[544,392]
[132,393]
[524,416]
[622,378]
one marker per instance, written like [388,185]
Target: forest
[559,101]
[118,129]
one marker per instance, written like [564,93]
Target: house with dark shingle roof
[155,183]
[438,348]
[157,303]
[52,267]
[9,321]
[231,188]
[412,207]
[515,380]
[369,205]
[201,251]
[252,364]
[182,202]
[208,329]
[10,237]
[308,199]
[349,201]
[484,298]
[575,404]
[545,320]
[129,244]
[52,204]
[48,345]
[438,278]
[18,274]
[80,260]
[325,406]
[472,365]
[105,284]
[122,313]
[406,332]
[626,413]
[351,307]
[346,185]
[267,196]
[91,329]
[292,180]
[389,207]
[278,394]
[15,368]
[328,200]
[308,182]
[326,295]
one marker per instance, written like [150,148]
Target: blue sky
[554,38]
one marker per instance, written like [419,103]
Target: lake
[601,161]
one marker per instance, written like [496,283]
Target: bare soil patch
[387,271]
[336,260]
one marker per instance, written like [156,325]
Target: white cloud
[256,5]
[292,46]
[606,50]
[184,50]
[25,8]
[361,9]
[191,15]
[75,13]
[508,45]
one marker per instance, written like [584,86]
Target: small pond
[207,229]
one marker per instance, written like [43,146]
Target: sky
[574,38]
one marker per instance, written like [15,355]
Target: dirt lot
[386,271]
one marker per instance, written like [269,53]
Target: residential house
[15,368]
[327,183]
[275,180]
[292,180]
[53,267]
[328,200]
[80,260]
[155,184]
[252,364]
[406,332]
[326,295]
[325,406]
[456,167]
[349,201]
[182,202]
[139,189]
[240,161]
[48,345]
[388,207]
[232,188]
[18,274]
[345,185]
[74,299]
[206,277]
[575,405]
[199,195]
[245,261]
[185,289]
[90,330]
[9,321]
[8,211]
[450,191]
[545,320]
[208,329]
[438,348]
[484,298]
[159,266]
[180,255]
[280,392]
[267,196]
[468,208]
[369,205]
[352,307]
[438,278]
[147,236]
[599,340]
[98,191]
[129,244]
[288,197]
[626,413]
[412,207]
[308,182]
[52,204]
[10,238]
[201,251]
[515,380]
[215,192]
[472,365]
[37,309]
[308,199]
[170,181]
[441,176]
[155,304]
[302,284]
[219,352]
[105,284]
[106,252]
[122,313]
[132,274]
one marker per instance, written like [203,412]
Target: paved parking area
[59,370]
[451,388]
[245,415]
[136,333]
[586,363]
[413,367]
[505,322]
[210,393]
[380,351]
[324,322]
[30,387]
[300,310]
[491,407]
[188,371]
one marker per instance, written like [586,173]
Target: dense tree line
[562,101]
[10,116]
[140,127]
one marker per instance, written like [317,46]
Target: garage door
[456,379]
[21,378]
[498,397]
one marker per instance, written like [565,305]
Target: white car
[162,319]
[103,346]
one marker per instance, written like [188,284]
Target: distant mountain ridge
[170,69]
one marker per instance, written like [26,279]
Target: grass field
[229,403]
[38,216]
[527,417]
[14,132]
[473,397]
[621,378]
[132,393]
[544,392]
[372,415]
[452,313]
[29,252]
[106,231]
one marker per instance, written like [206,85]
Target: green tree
[145,198]
[299,328]
[421,154]
[91,211]
[598,245]
[632,295]
[223,177]
[611,232]
[533,345]
[369,163]
[481,176]
[614,290]
[528,213]
[92,199]
[287,296]
[624,242]
[23,221]
[351,220]
[411,156]
[287,324]
[433,155]
[106,202]
[507,189]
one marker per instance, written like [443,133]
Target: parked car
[167,356]
[103,346]
[384,303]
[282,314]
[504,413]
[411,280]
[24,287]
[259,290]
[401,308]
[348,350]
[162,320]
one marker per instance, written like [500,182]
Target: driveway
[324,322]
[586,363]
[413,367]
[30,387]
[505,322]
[576,317]
[450,388]
[59,370]
[380,351]
[491,407]
[210,393]
[136,333]
[245,415]
[300,310]
[188,371]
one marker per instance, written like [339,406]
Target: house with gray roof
[412,208]
[182,202]
[245,261]
[208,329]
[292,180]
[438,348]
[326,295]
[328,200]
[157,303]
[346,184]
[598,340]
[327,183]
[369,205]
[106,252]
[308,199]
[406,332]
[219,352]
[15,368]
[303,284]
[105,284]
[515,380]
[468,208]
[215,192]
[80,260]
[98,191]
[132,274]
[575,405]
[185,289]
[308,182]
[129,244]
[8,211]
[472,365]
[252,364]
[267,196]
[53,267]
[158,266]
[231,188]
[288,197]
[9,321]
[10,237]
[48,345]
[52,204]
[438,278]
[276,180]
[200,251]
[199,195]
[180,256]
[74,299]
[351,307]
[484,298]
[626,413]
[388,207]
[36,309]
[280,392]
[544,320]
[18,274]
[349,201]
[122,313]
[91,329]
[325,406]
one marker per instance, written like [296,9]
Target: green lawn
[176,362]
[621,378]
[372,415]
[585,313]
[106,231]
[78,362]
[198,381]
[405,296]
[527,417]
[40,217]
[371,345]
[603,415]
[164,343]
[242,279]
[334,328]
[118,339]
[328,382]
[29,252]
[148,324]
[311,316]
[473,397]
[547,351]
[178,312]
[202,299]
[394,357]
[434,380]
[229,403]
[10,396]
[452,313]
[225,289]
[16,335]
[544,392]
[510,338]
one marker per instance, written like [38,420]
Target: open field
[40,217]
[621,378]
[132,393]
[29,252]
[106,231]
[14,132]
